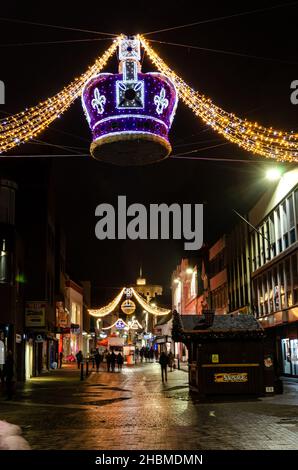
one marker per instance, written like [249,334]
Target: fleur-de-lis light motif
[128,292]
[161,101]
[98,101]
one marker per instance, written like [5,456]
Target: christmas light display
[103,311]
[107,309]
[251,136]
[149,308]
[130,113]
[22,127]
[128,307]
[121,324]
[137,110]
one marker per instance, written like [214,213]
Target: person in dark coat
[113,361]
[120,361]
[108,357]
[163,360]
[8,373]
[97,360]
[60,358]
[79,357]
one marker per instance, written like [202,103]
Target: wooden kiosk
[226,354]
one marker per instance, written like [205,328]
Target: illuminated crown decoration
[130,113]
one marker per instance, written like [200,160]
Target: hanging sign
[35,313]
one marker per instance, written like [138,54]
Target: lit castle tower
[130,113]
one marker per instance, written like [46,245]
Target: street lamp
[274,174]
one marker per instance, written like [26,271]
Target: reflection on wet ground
[135,410]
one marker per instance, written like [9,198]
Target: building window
[272,235]
[294,261]
[277,233]
[288,282]
[5,274]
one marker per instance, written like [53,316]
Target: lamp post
[179,283]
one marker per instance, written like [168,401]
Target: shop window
[286,355]
[294,356]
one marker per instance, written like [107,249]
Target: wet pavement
[134,410]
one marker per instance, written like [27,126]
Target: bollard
[82,370]
[87,368]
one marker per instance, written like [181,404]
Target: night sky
[253,87]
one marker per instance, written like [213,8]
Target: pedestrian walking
[93,358]
[108,358]
[79,357]
[60,359]
[163,360]
[8,373]
[142,352]
[156,355]
[113,361]
[97,359]
[171,360]
[137,353]
[120,361]
[151,354]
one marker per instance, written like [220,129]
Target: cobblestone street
[134,410]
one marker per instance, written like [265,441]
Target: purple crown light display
[130,113]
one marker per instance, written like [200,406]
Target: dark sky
[253,87]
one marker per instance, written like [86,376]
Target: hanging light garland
[149,308]
[103,311]
[251,136]
[109,308]
[22,127]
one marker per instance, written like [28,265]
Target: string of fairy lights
[24,126]
[110,307]
[251,136]
[107,309]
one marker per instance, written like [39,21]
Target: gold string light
[22,127]
[109,308]
[251,136]
[158,311]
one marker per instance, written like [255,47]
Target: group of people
[149,354]
[111,359]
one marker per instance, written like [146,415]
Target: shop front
[282,328]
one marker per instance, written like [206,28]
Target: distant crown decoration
[130,113]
